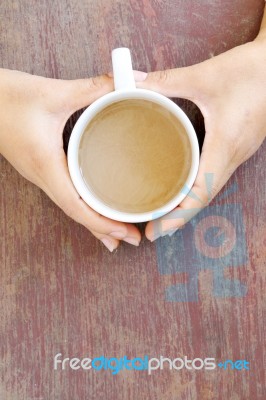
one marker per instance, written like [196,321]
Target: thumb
[178,82]
[82,92]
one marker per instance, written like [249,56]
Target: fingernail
[157,230]
[118,235]
[130,240]
[169,233]
[140,76]
[155,237]
[108,243]
[172,232]
[160,233]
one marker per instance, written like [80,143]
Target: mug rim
[73,149]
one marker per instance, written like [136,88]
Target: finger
[80,93]
[66,97]
[216,167]
[62,191]
[110,243]
[178,82]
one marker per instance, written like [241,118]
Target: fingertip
[130,235]
[140,76]
[133,231]
[153,230]
[110,244]
[132,240]
[85,91]
[171,222]
[153,233]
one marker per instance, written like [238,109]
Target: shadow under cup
[135,156]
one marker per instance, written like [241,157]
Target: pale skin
[230,90]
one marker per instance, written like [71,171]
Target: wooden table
[62,292]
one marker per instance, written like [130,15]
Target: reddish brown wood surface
[61,291]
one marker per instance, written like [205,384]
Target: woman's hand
[33,113]
[230,91]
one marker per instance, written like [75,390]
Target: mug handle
[122,69]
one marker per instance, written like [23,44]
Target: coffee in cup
[135,156]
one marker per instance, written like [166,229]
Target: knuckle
[95,82]
[162,76]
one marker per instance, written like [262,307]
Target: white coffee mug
[125,89]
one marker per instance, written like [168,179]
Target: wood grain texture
[60,290]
